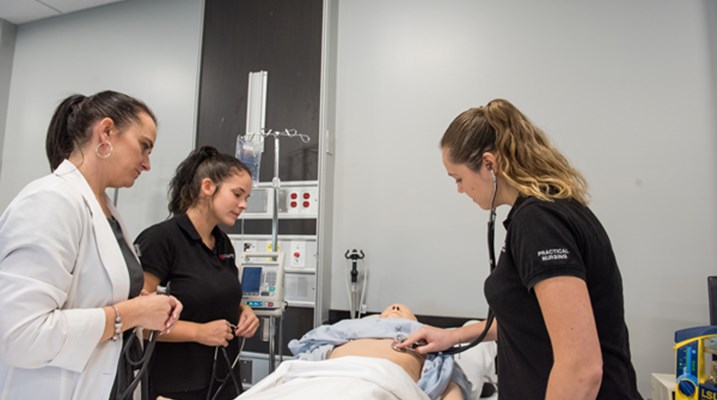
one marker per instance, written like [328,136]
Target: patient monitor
[262,280]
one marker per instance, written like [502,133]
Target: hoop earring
[97,150]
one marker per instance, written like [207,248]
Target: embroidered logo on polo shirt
[225,256]
[553,254]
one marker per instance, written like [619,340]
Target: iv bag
[251,145]
[248,150]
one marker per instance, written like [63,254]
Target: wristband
[118,324]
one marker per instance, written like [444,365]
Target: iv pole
[276,185]
[256,134]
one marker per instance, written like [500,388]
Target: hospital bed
[365,378]
[478,364]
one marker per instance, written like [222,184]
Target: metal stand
[276,185]
[272,358]
[255,126]
[355,306]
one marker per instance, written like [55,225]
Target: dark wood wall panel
[282,37]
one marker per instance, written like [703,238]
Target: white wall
[625,90]
[149,49]
[711,17]
[7,51]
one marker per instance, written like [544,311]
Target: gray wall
[147,49]
[624,89]
[7,50]
[711,18]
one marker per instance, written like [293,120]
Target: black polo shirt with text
[544,240]
[207,283]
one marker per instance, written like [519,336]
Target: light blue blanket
[438,370]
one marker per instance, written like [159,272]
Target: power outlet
[302,200]
[309,201]
[298,254]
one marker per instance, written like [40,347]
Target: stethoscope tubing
[459,348]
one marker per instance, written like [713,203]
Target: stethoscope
[131,342]
[239,389]
[459,348]
[125,390]
[141,365]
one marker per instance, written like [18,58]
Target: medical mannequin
[410,361]
[368,337]
[70,283]
[196,260]
[556,290]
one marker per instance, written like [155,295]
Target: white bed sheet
[366,378]
[478,364]
[344,378]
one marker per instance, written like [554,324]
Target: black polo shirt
[543,240]
[207,283]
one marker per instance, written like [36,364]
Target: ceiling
[22,11]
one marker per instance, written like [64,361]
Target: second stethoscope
[459,348]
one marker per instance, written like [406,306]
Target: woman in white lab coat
[66,267]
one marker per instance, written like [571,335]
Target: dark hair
[523,153]
[204,162]
[70,124]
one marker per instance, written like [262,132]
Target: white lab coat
[59,264]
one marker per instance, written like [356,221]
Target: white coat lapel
[109,252]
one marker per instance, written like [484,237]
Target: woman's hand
[157,312]
[215,333]
[248,323]
[177,308]
[151,312]
[433,339]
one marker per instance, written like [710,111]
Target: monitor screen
[251,279]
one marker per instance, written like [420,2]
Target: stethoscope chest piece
[400,338]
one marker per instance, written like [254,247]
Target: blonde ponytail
[524,155]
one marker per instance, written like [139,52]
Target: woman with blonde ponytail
[556,290]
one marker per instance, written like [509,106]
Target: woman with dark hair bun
[196,260]
[70,281]
[556,290]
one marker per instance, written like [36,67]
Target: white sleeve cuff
[84,331]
